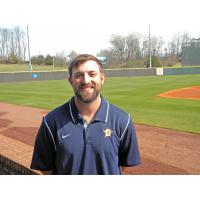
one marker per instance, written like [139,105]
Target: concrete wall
[32,76]
[130,72]
[59,75]
[181,71]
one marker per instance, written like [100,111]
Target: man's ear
[70,80]
[102,78]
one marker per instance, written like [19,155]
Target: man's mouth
[86,88]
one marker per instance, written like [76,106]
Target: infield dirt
[183,93]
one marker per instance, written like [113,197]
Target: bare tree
[4,44]
[18,34]
[1,45]
[132,46]
[118,46]
[12,44]
[144,46]
[184,38]
[110,56]
[72,55]
[13,49]
[174,46]
[60,59]
[156,45]
[24,48]
[6,41]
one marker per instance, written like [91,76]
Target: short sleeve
[129,151]
[44,149]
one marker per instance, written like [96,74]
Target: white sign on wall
[159,71]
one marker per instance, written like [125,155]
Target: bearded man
[86,135]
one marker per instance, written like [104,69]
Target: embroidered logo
[107,132]
[65,136]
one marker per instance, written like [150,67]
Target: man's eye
[77,75]
[92,74]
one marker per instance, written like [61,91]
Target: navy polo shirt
[67,145]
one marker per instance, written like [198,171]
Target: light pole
[29,54]
[149,47]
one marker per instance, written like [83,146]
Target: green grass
[25,67]
[136,95]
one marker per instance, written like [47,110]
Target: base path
[163,151]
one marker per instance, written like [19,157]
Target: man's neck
[88,110]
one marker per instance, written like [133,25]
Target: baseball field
[136,95]
[168,129]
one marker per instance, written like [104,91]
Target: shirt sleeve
[44,149]
[129,151]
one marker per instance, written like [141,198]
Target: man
[86,135]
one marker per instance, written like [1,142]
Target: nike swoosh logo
[65,136]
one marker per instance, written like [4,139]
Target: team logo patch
[107,132]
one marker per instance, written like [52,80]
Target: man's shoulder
[118,112]
[116,109]
[58,112]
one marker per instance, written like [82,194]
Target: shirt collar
[101,115]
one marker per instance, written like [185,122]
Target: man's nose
[86,78]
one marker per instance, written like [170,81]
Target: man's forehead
[88,66]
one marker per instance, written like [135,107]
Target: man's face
[87,81]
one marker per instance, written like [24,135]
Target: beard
[85,96]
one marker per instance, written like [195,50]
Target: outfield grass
[136,95]
[25,67]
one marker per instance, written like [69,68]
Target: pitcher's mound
[183,93]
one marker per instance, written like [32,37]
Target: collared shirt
[67,145]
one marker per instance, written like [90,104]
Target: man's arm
[129,151]
[44,150]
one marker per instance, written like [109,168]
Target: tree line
[134,48]
[129,50]
[13,45]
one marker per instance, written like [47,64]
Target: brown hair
[82,58]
